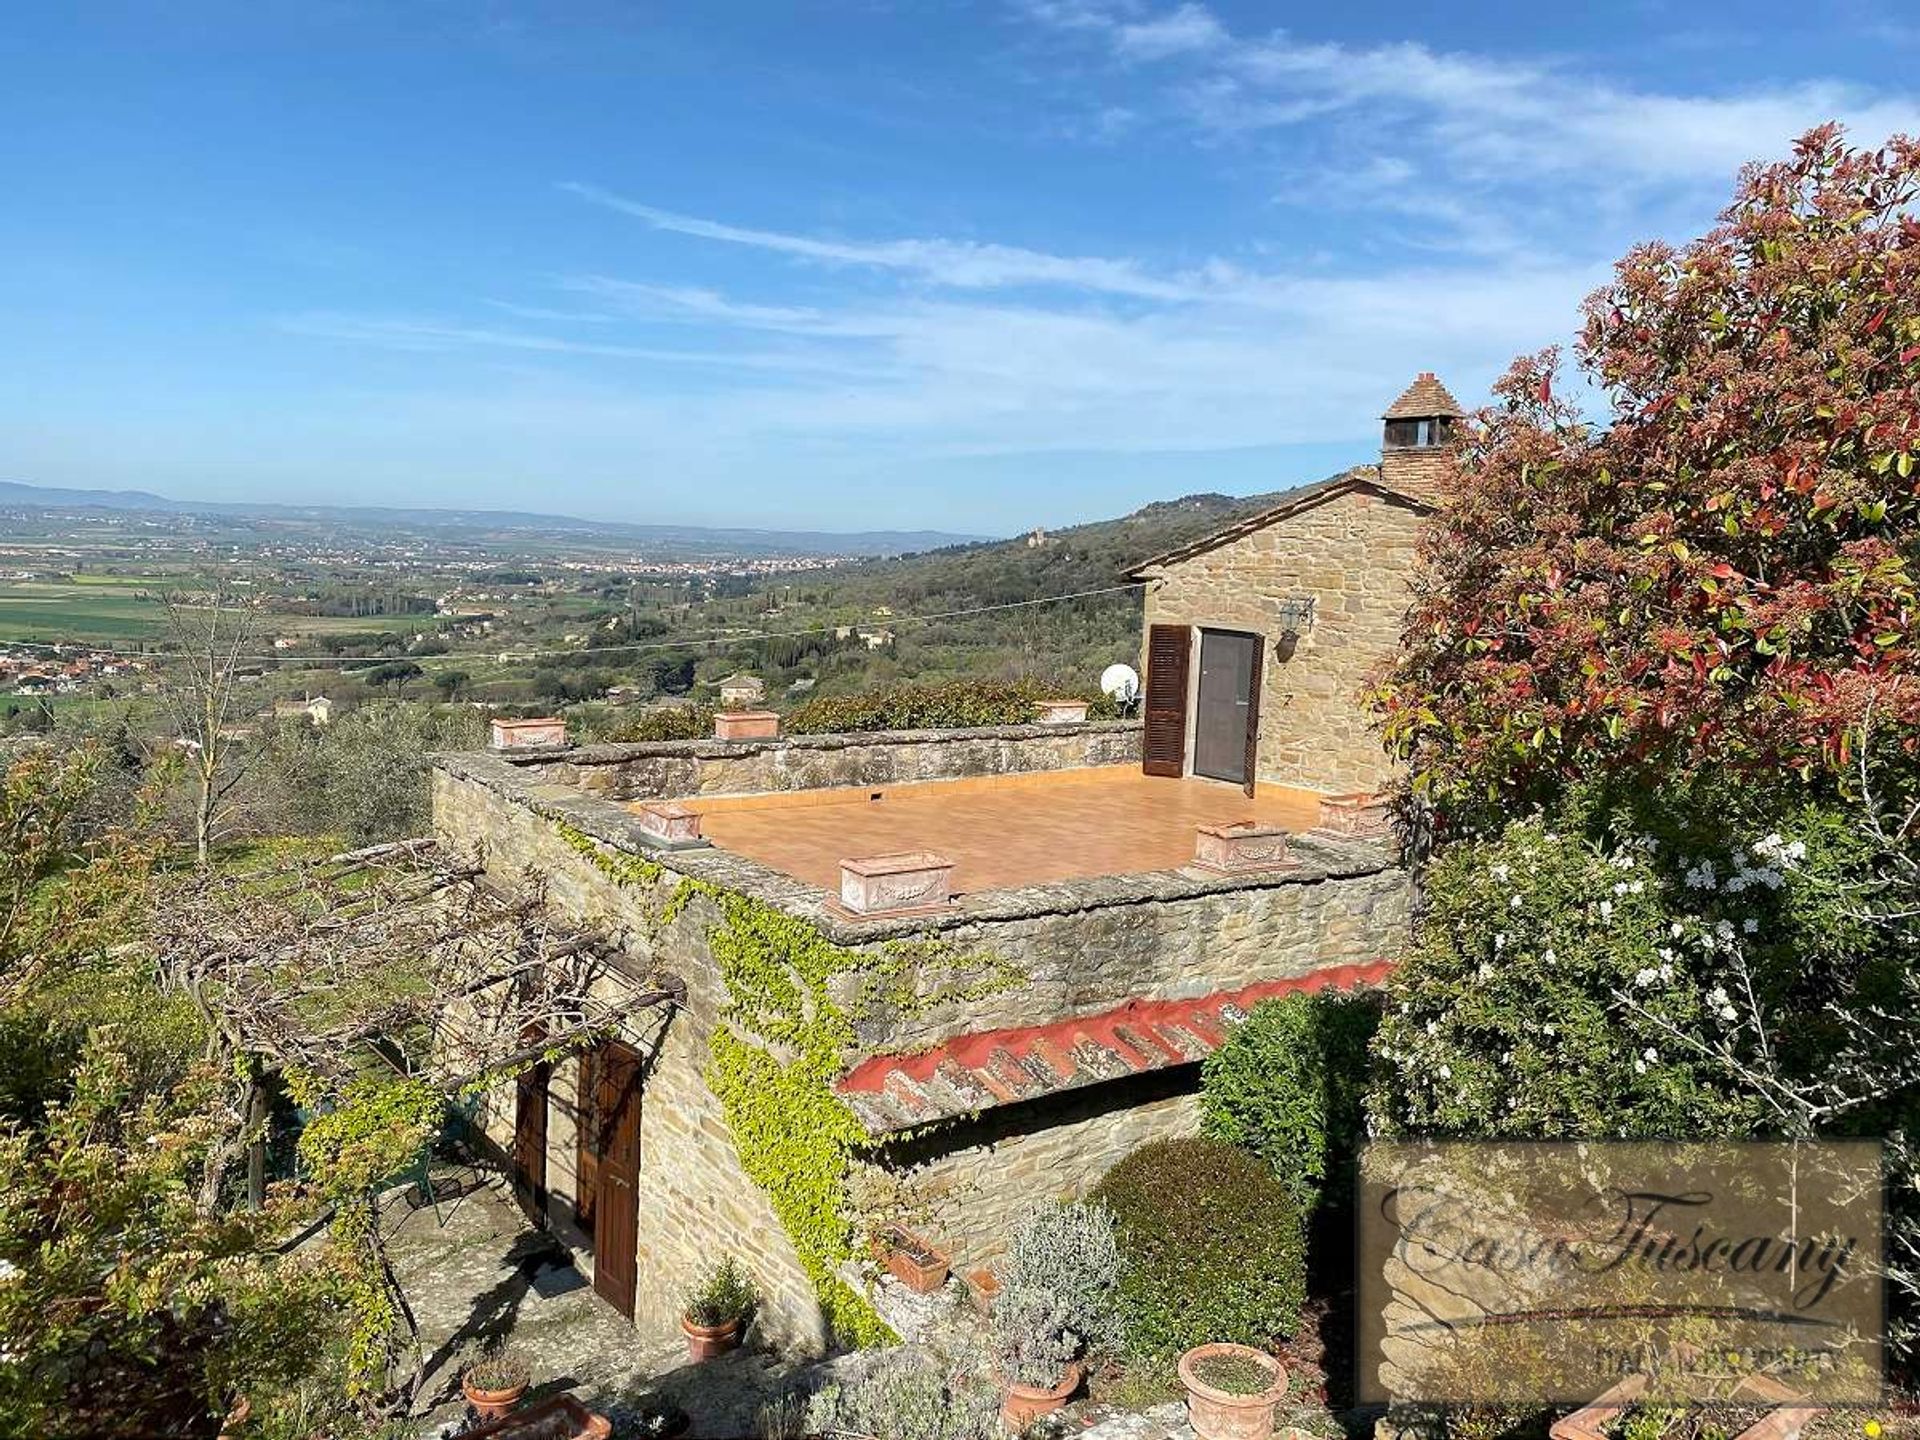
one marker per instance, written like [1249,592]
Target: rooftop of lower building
[1002,832]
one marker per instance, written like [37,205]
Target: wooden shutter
[1253,711]
[1164,744]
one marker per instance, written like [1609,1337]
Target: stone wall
[999,959]
[674,768]
[1353,555]
[969,1186]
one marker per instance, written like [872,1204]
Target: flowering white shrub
[1558,968]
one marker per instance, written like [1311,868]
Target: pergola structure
[401,953]
[398,963]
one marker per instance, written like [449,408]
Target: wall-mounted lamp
[1295,613]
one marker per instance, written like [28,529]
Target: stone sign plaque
[1536,1273]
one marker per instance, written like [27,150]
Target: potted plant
[1036,1354]
[495,1380]
[1231,1391]
[918,1264]
[717,1309]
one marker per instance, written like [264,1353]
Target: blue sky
[972,266]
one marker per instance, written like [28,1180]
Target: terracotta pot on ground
[918,1264]
[1223,1414]
[491,1404]
[543,1420]
[1025,1404]
[706,1341]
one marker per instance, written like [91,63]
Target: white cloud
[962,264]
[1180,32]
[1476,118]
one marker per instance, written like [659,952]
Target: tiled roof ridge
[996,1067]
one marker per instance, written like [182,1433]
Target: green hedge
[954,706]
[667,722]
[1210,1247]
[1290,1086]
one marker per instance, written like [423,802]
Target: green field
[101,611]
[125,610]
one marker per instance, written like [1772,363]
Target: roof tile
[1424,398]
[1000,1067]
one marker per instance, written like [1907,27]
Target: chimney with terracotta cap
[1413,448]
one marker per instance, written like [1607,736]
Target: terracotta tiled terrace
[1001,832]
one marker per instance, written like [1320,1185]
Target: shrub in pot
[717,1309]
[1210,1248]
[495,1380]
[1231,1391]
[1071,1252]
[1036,1354]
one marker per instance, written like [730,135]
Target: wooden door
[1226,705]
[1164,741]
[616,1205]
[530,1141]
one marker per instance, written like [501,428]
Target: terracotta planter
[1222,1414]
[983,1285]
[706,1341]
[540,1421]
[492,1404]
[1025,1404]
[918,1264]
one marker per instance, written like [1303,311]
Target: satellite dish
[1121,683]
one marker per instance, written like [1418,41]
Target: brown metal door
[530,1141]
[1226,705]
[1164,741]
[616,1208]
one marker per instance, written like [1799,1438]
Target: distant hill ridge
[1045,563]
[734,540]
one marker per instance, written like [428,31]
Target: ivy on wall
[796,1137]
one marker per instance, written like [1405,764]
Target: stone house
[314,709]
[1260,636]
[741,689]
[931,977]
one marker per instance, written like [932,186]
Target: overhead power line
[520,657]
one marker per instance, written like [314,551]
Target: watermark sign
[1542,1273]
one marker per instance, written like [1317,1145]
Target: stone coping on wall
[1320,859]
[618,753]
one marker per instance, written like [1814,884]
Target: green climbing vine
[796,1137]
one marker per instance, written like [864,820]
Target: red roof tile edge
[999,1067]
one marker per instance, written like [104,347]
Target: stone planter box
[1244,847]
[745,725]
[907,883]
[1359,816]
[529,734]
[561,1418]
[1062,712]
[669,823]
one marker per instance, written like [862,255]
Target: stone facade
[993,959]
[1352,554]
